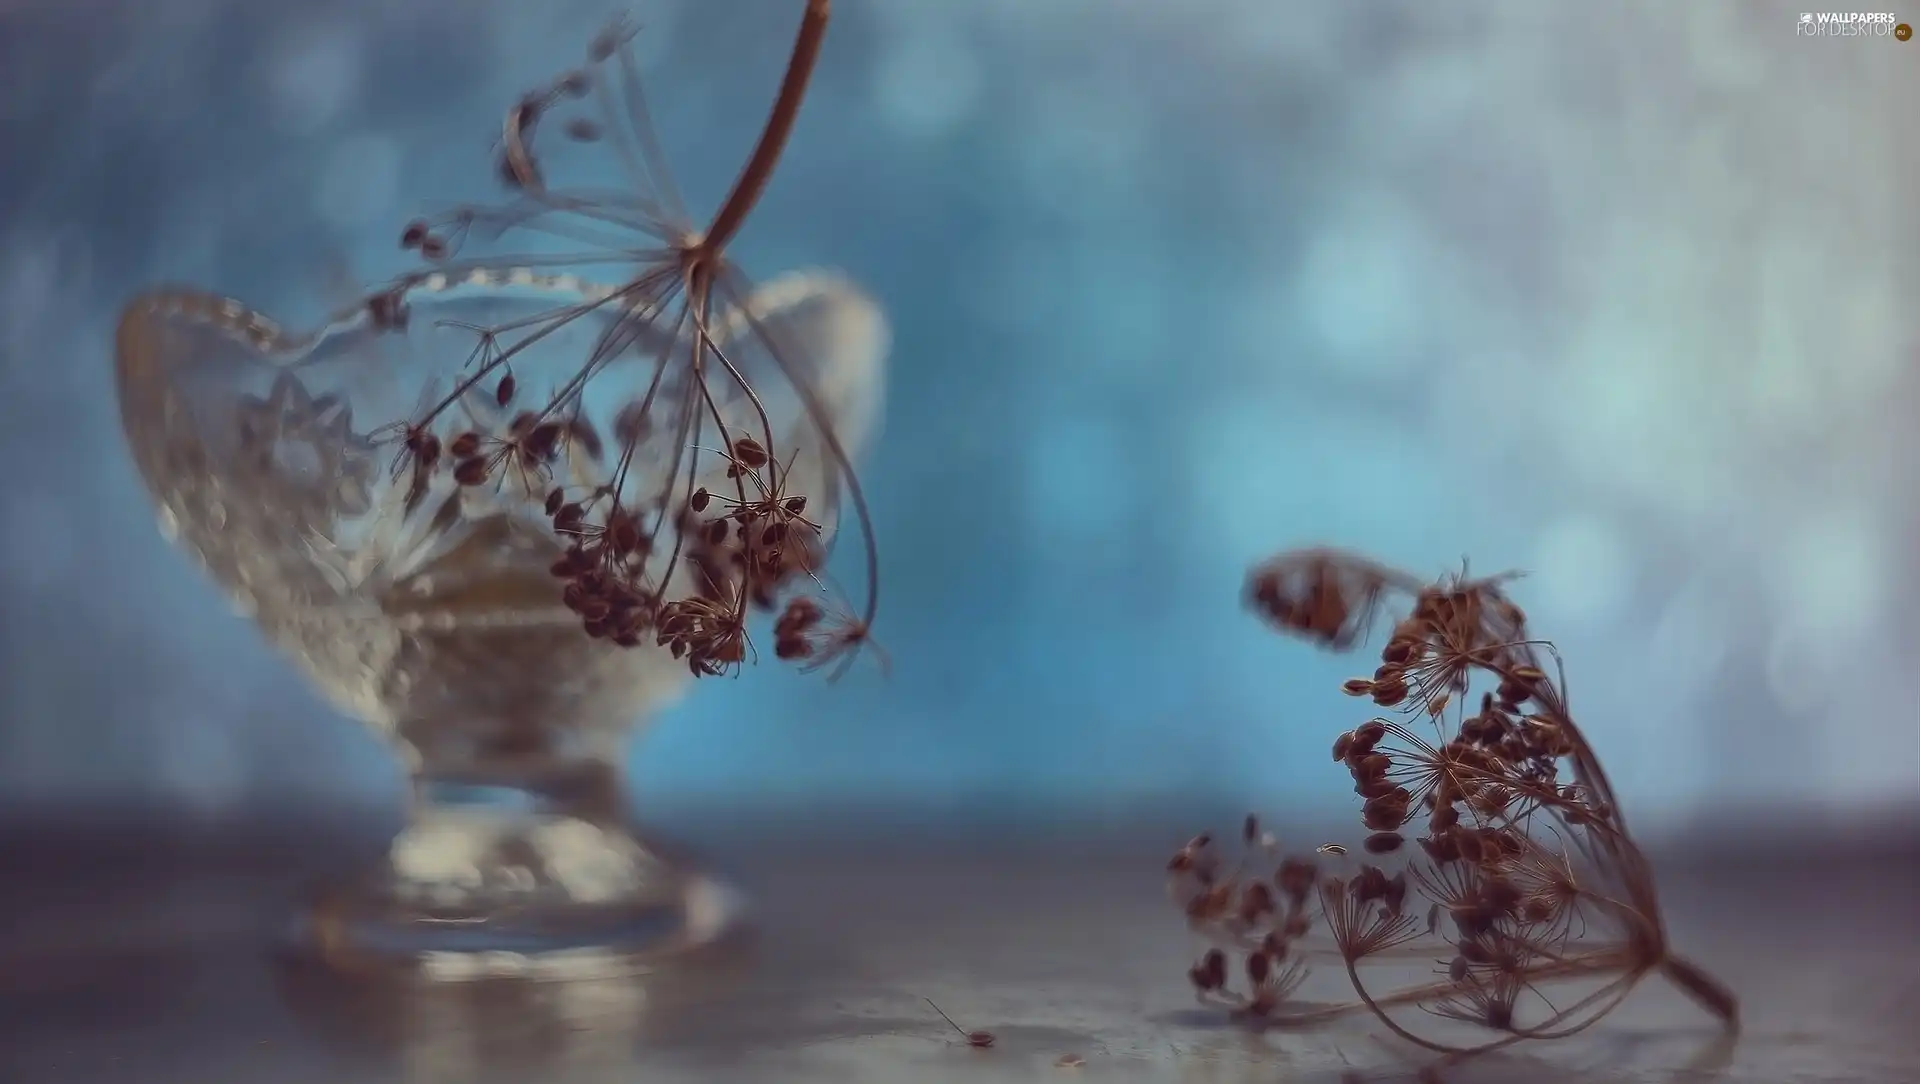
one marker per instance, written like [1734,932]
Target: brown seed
[1373,786]
[464,446]
[803,613]
[1396,896]
[1215,963]
[748,452]
[471,471]
[1256,900]
[979,1040]
[1342,746]
[1370,885]
[581,432]
[1384,842]
[700,499]
[623,533]
[543,443]
[1387,812]
[1389,693]
[503,391]
[1295,878]
[1442,847]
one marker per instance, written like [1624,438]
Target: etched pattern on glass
[419,605]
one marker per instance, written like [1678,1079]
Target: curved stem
[1710,993]
[773,138]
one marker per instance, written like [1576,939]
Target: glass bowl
[426,604]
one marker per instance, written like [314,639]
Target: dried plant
[700,509]
[1521,883]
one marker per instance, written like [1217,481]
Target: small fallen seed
[979,1040]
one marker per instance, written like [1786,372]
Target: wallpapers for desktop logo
[1851,24]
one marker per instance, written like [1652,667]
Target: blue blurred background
[1621,294]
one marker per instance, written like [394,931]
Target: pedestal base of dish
[479,891]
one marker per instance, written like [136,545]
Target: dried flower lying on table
[1520,879]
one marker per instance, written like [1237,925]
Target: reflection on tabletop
[126,964]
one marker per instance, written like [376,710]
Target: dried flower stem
[642,564]
[758,171]
[1525,853]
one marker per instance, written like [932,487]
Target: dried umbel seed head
[616,475]
[1521,851]
[1255,908]
[1319,595]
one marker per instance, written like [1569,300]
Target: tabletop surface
[151,963]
